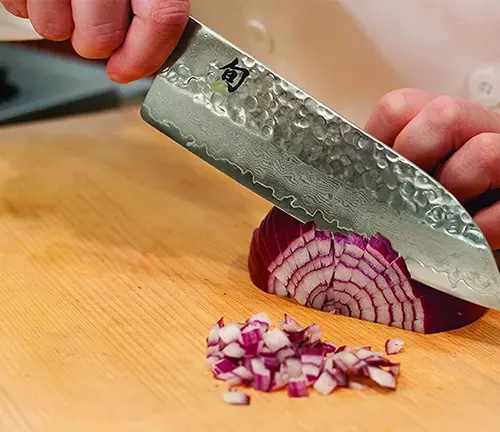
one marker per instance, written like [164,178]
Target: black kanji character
[234,72]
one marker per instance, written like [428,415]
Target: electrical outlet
[484,86]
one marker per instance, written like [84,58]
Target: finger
[394,111]
[474,168]
[444,125]
[153,35]
[51,18]
[489,222]
[100,27]
[17,8]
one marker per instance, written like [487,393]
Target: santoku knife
[283,144]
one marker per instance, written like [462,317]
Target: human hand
[136,35]
[456,140]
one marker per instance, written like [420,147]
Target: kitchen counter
[120,249]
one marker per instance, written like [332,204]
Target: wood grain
[119,250]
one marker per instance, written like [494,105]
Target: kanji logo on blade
[234,75]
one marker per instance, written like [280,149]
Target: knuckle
[393,105]
[445,111]
[104,36]
[167,13]
[487,153]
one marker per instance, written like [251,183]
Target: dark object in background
[63,48]
[7,90]
[54,85]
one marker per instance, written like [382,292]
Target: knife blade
[283,144]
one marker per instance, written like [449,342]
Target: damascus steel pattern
[283,144]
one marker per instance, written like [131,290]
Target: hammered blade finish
[283,144]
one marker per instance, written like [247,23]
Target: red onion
[255,355]
[350,275]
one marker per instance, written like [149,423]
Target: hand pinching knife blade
[283,144]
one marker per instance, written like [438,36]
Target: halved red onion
[255,355]
[393,346]
[350,275]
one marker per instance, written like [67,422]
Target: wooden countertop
[119,250]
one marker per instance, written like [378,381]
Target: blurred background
[347,53]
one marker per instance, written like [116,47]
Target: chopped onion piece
[212,360]
[223,366]
[294,367]
[230,333]
[251,335]
[382,377]
[312,362]
[243,373]
[285,353]
[297,387]
[276,339]
[225,376]
[327,347]
[314,333]
[393,346]
[356,386]
[233,381]
[234,397]
[262,380]
[262,319]
[234,350]
[213,337]
[257,365]
[340,377]
[280,379]
[325,384]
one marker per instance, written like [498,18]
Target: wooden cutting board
[119,250]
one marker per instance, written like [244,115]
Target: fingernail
[117,78]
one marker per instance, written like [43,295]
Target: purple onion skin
[403,303]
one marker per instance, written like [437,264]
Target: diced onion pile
[254,354]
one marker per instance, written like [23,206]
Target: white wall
[315,44]
[348,53]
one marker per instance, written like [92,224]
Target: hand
[456,140]
[136,35]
